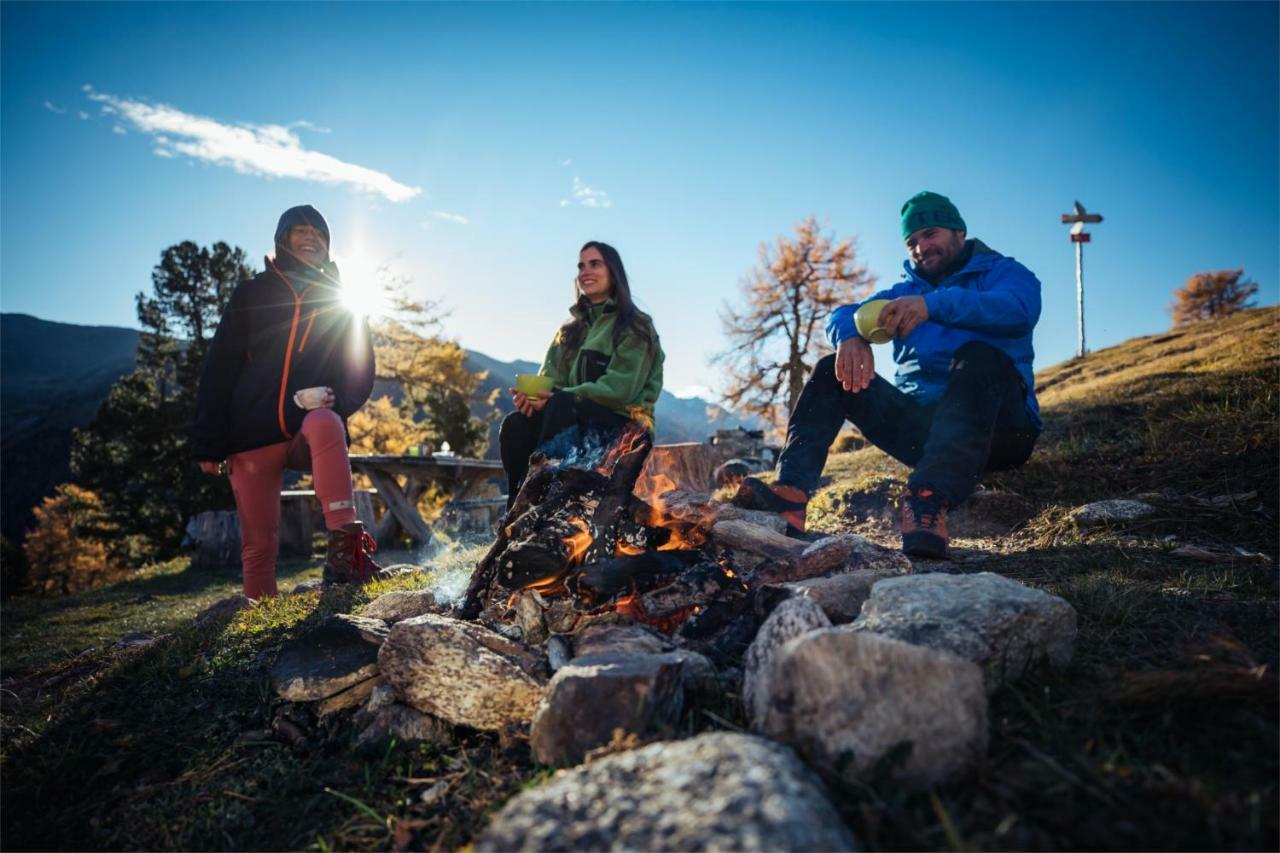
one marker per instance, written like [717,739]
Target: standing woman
[287,366]
[605,364]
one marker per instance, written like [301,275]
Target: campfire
[596,537]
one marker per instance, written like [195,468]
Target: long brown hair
[628,316]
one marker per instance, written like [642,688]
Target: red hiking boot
[924,524]
[788,501]
[348,560]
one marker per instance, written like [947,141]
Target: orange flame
[578,543]
[628,442]
[624,549]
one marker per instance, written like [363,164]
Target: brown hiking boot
[348,560]
[788,501]
[924,524]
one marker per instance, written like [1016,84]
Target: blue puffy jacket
[992,299]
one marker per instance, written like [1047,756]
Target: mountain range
[53,377]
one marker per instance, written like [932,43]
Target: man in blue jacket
[964,401]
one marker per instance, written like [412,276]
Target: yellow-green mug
[868,322]
[531,384]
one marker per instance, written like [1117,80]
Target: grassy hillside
[1163,734]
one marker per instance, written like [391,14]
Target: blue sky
[475,147]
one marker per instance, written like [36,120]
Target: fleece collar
[983,258]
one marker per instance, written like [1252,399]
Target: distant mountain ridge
[53,377]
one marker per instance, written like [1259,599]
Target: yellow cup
[868,322]
[531,384]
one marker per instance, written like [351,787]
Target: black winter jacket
[282,331]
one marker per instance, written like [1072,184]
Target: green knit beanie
[930,210]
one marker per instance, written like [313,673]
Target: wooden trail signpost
[1080,237]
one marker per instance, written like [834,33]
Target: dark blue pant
[981,424]
[521,435]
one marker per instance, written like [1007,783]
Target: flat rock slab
[1001,625]
[591,698]
[400,604]
[718,791]
[221,610]
[619,639]
[328,659]
[851,551]
[1116,511]
[352,697]
[462,673]
[792,618]
[845,700]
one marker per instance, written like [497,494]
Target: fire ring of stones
[611,602]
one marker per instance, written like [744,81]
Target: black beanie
[303,214]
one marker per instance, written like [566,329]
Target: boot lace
[362,545]
[924,510]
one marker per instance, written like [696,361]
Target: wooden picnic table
[462,474]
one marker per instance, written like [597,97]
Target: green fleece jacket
[626,379]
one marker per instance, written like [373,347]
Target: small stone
[139,640]
[1117,511]
[1001,625]
[619,639]
[840,596]
[308,586]
[846,700]
[792,618]
[591,698]
[406,725]
[400,604]
[719,791]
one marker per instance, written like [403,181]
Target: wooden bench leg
[402,505]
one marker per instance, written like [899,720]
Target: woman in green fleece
[606,363]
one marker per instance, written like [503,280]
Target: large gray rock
[845,700]
[699,675]
[714,792]
[461,672]
[999,624]
[400,604]
[790,619]
[338,653]
[1116,511]
[591,698]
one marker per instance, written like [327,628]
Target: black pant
[981,424]
[521,435]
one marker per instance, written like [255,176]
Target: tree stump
[214,540]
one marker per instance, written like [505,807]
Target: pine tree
[775,335]
[134,454]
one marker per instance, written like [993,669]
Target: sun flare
[363,284]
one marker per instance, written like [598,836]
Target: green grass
[1162,735]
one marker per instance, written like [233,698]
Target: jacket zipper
[288,351]
[307,333]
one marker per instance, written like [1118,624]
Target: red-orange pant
[320,447]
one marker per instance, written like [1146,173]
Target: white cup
[311,398]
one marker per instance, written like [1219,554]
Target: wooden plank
[398,504]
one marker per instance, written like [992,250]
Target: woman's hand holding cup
[319,397]
[528,404]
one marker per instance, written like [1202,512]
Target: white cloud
[51,107]
[450,217]
[119,130]
[690,391]
[568,162]
[84,116]
[272,150]
[589,196]
[564,202]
